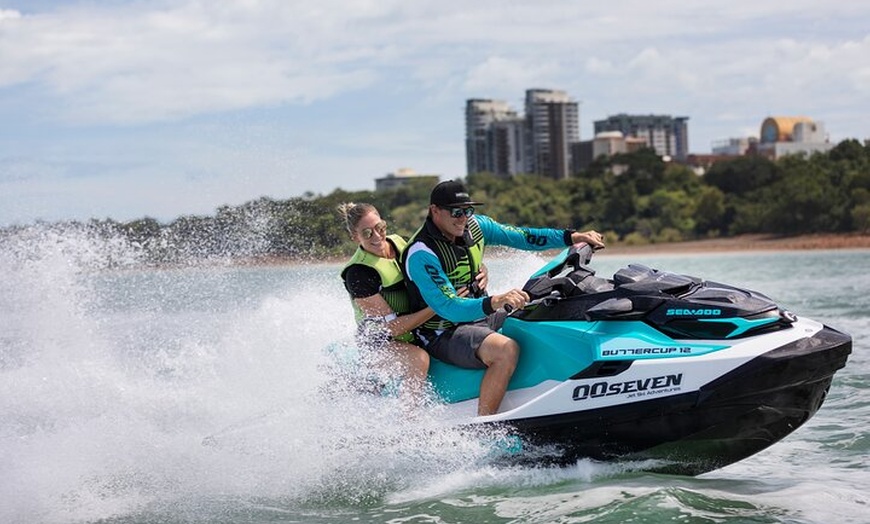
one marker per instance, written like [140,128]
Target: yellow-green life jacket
[460,262]
[392,281]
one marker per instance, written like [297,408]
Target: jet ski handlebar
[579,254]
[563,276]
[534,302]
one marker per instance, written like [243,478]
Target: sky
[124,109]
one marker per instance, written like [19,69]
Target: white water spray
[113,377]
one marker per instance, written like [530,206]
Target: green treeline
[634,198]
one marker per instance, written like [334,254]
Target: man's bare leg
[500,355]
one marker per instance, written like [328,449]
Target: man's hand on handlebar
[513,299]
[591,237]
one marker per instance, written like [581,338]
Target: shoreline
[753,242]
[742,243]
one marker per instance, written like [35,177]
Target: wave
[203,394]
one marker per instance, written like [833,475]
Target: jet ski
[688,374]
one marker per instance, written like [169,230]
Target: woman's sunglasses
[380,228]
[457,212]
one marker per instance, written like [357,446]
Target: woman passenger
[376,286]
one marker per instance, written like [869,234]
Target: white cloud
[124,65]
[505,75]
[599,66]
[9,14]
[157,61]
[132,70]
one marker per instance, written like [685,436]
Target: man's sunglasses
[380,228]
[457,212]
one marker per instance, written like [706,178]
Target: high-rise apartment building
[499,141]
[552,125]
[488,126]
[668,135]
[507,139]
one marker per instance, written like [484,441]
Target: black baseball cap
[451,193]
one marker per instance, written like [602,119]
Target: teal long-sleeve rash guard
[426,272]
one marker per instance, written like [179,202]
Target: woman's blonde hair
[352,213]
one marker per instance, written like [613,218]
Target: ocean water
[203,394]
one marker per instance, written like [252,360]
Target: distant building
[610,143]
[401,177]
[581,155]
[607,144]
[788,135]
[735,146]
[500,141]
[667,135]
[492,144]
[552,125]
[507,145]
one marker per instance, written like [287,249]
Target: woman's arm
[376,307]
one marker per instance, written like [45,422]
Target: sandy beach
[750,243]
